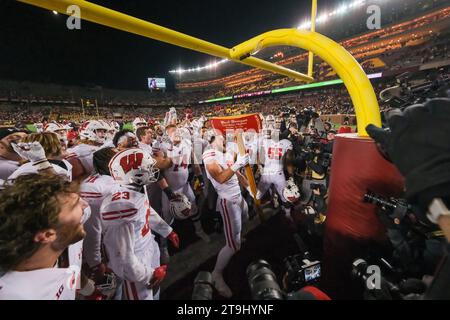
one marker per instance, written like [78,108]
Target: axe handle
[249,174]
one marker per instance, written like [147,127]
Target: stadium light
[198,68]
[341,9]
[324,16]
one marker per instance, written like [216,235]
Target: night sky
[35,45]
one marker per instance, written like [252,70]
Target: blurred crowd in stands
[331,100]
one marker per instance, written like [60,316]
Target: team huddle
[124,190]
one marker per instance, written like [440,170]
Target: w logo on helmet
[132,161]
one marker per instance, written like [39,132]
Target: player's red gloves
[174,239]
[158,275]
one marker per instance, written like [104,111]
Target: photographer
[299,119]
[315,210]
[417,143]
[291,132]
[317,163]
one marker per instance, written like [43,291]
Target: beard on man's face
[67,235]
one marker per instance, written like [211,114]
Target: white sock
[221,286]
[223,258]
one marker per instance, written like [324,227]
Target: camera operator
[317,163]
[417,143]
[291,132]
[416,243]
[293,161]
[308,160]
[300,119]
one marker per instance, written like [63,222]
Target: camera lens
[203,286]
[262,281]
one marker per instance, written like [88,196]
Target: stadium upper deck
[416,27]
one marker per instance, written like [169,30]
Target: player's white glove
[33,152]
[241,162]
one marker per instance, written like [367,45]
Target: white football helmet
[291,192]
[115,125]
[54,127]
[139,122]
[181,207]
[88,131]
[270,121]
[134,166]
[59,129]
[112,130]
[108,286]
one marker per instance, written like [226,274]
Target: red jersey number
[275,153]
[120,195]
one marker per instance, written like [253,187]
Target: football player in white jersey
[9,159]
[225,178]
[94,189]
[271,153]
[210,194]
[113,128]
[60,130]
[43,151]
[41,244]
[127,221]
[93,136]
[180,151]
[159,131]
[145,136]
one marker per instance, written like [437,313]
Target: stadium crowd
[325,101]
